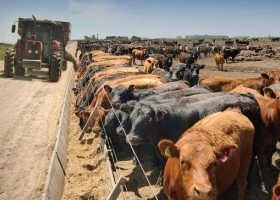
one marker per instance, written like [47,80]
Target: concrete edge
[56,173]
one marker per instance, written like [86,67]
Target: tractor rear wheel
[54,70]
[9,62]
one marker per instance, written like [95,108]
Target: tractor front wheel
[54,70]
[9,62]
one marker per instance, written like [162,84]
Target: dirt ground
[87,174]
[30,111]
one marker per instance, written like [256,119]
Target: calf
[208,157]
[138,54]
[150,64]
[165,61]
[219,59]
[268,132]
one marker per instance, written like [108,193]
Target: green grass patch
[2,52]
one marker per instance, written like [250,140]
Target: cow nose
[203,192]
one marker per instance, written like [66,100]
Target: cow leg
[136,151]
[262,162]
[241,177]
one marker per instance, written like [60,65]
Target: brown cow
[276,190]
[209,156]
[139,54]
[218,84]
[150,64]
[219,59]
[268,133]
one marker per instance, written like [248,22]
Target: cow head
[168,60]
[191,74]
[121,94]
[196,161]
[274,77]
[145,121]
[176,72]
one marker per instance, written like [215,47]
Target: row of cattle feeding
[208,129]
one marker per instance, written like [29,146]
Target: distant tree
[179,37]
[135,38]
[93,37]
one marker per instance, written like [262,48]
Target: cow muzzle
[133,140]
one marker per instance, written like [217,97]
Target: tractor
[41,45]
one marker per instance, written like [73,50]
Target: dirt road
[30,110]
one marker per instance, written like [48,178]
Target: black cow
[164,61]
[168,120]
[242,41]
[111,122]
[191,59]
[164,75]
[185,72]
[275,39]
[231,53]
[121,94]
[229,42]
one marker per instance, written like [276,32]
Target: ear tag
[167,152]
[224,157]
[278,197]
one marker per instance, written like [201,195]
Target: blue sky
[148,18]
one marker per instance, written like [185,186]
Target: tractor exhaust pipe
[35,29]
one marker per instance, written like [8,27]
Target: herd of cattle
[206,131]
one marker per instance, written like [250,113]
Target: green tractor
[42,45]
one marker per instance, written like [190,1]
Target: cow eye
[185,164]
[271,79]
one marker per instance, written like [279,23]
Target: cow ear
[82,114]
[264,75]
[131,88]
[276,191]
[168,149]
[222,152]
[269,92]
[107,88]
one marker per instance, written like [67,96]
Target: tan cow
[268,132]
[208,157]
[219,59]
[150,64]
[138,54]
[219,84]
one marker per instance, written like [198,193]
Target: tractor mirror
[13,28]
